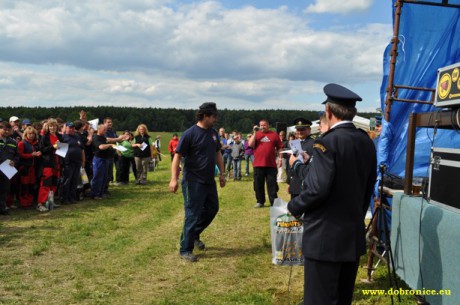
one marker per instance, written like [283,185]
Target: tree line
[162,119]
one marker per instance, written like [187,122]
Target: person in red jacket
[173,145]
[28,157]
[51,168]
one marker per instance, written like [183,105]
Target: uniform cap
[70,124]
[301,122]
[26,122]
[338,94]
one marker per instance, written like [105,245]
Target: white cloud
[338,6]
[163,53]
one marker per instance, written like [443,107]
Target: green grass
[124,250]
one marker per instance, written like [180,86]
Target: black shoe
[189,256]
[5,212]
[199,244]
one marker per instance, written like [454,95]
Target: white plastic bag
[286,234]
[84,176]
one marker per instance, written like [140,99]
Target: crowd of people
[59,162]
[330,194]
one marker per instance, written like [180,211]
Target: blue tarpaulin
[429,39]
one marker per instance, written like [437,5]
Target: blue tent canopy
[429,39]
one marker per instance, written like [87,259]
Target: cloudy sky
[258,54]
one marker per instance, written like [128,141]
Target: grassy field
[124,250]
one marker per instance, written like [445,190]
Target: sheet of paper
[144,146]
[296,147]
[94,123]
[7,169]
[120,148]
[62,149]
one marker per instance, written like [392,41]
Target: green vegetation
[124,250]
[162,119]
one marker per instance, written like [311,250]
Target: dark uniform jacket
[295,183]
[49,158]
[337,187]
[9,151]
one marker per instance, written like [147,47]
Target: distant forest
[161,119]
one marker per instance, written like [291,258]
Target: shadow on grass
[222,252]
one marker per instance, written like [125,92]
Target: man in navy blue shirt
[200,147]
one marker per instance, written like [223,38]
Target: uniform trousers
[201,205]
[70,182]
[329,283]
[4,189]
[48,182]
[262,175]
[28,180]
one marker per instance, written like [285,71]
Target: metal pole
[394,55]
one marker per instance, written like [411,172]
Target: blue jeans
[201,205]
[100,176]
[247,158]
[227,161]
[237,168]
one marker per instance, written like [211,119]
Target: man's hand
[305,157]
[222,180]
[292,159]
[173,185]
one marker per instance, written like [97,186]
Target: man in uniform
[337,186]
[73,161]
[302,132]
[200,145]
[8,151]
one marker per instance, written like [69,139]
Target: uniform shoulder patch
[320,146]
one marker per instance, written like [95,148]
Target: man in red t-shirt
[267,145]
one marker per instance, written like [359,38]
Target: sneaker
[97,198]
[259,205]
[199,244]
[189,256]
[116,183]
[41,208]
[246,174]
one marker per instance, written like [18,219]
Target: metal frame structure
[392,89]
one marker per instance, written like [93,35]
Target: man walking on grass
[200,146]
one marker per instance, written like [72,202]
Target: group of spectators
[58,161]
[234,149]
